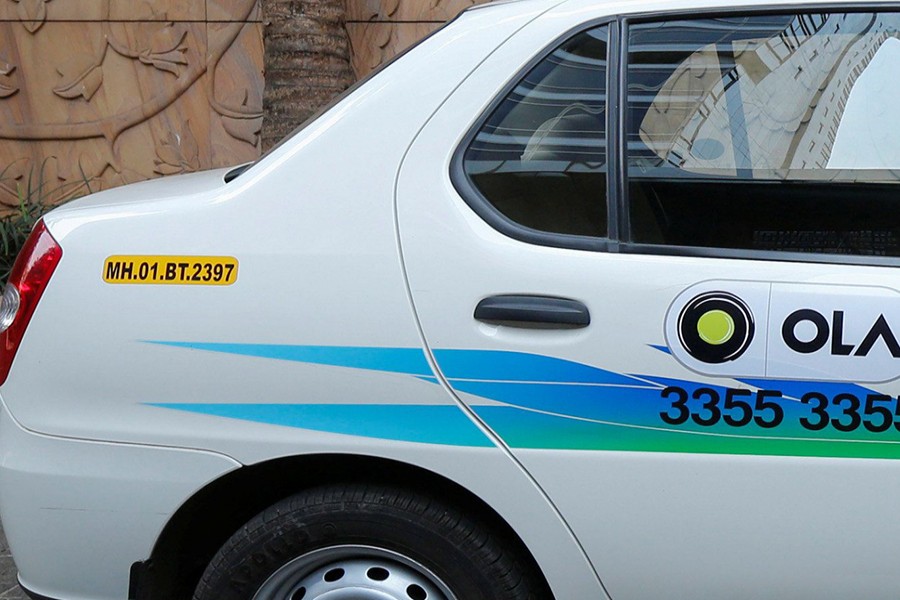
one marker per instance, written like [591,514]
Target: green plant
[33,198]
[14,230]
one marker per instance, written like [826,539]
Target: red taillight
[30,275]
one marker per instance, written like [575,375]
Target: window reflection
[540,158]
[766,132]
[775,96]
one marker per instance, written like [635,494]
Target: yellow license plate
[171,270]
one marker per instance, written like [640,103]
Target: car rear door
[668,288]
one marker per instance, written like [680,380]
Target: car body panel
[733,513]
[290,230]
[350,330]
[79,513]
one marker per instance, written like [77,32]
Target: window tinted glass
[775,132]
[540,159]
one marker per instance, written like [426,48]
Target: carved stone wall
[380,29]
[96,93]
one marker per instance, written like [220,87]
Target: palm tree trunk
[307,61]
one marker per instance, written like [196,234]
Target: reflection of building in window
[774,102]
[870,127]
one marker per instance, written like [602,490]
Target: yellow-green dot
[715,327]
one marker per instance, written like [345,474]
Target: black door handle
[534,310]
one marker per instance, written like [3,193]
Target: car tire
[366,541]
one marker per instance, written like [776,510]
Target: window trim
[483,207]
[617,195]
[750,11]
[759,255]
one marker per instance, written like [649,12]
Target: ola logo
[715,327]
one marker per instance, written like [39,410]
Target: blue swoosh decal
[427,424]
[546,402]
[409,361]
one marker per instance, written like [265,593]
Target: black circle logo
[715,327]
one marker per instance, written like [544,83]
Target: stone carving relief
[178,152]
[140,89]
[32,13]
[7,86]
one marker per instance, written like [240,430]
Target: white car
[576,300]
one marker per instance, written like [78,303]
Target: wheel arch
[205,521]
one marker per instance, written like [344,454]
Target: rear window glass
[766,132]
[540,158]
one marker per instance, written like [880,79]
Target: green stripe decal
[544,402]
[533,430]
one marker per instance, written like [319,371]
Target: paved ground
[8,588]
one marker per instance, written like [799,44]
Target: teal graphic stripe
[493,365]
[552,403]
[410,361]
[407,423]
[456,364]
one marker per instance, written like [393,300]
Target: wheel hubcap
[353,573]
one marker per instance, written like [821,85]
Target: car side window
[540,158]
[766,132]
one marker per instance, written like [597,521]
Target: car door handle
[522,311]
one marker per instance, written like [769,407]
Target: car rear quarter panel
[313,228]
